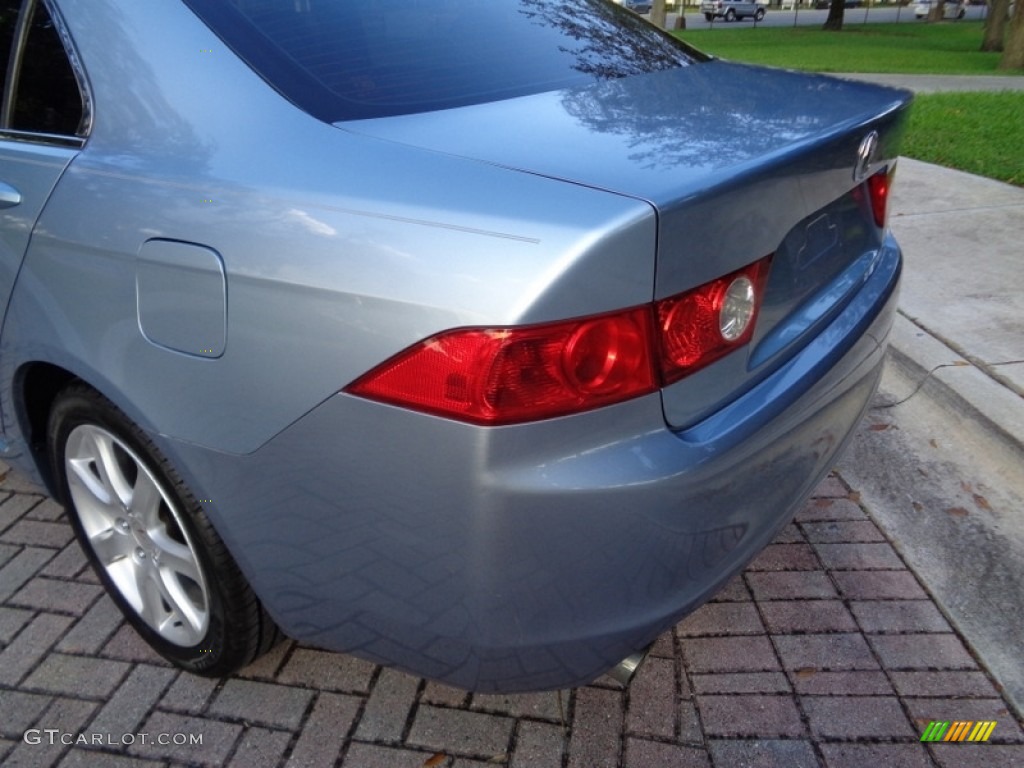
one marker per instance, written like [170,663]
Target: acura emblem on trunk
[865,156]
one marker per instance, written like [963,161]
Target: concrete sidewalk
[942,83]
[962,302]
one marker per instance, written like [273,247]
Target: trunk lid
[739,162]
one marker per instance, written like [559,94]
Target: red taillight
[700,326]
[878,190]
[506,376]
[497,376]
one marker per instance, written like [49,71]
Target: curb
[945,375]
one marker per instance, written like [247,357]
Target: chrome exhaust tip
[623,672]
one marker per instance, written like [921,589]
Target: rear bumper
[534,556]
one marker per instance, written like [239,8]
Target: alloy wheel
[137,533]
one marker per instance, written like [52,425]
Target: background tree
[658,13]
[995,25]
[1013,52]
[834,22]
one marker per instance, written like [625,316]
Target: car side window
[42,94]
[8,21]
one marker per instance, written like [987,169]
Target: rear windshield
[354,59]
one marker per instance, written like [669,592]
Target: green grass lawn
[980,133]
[940,49]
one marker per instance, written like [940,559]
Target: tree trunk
[936,11]
[1013,53]
[834,22]
[658,14]
[995,25]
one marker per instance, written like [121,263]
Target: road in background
[814,17]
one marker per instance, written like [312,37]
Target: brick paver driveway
[826,651]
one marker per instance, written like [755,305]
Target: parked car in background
[636,6]
[485,356]
[731,10]
[951,9]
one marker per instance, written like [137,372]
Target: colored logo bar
[958,730]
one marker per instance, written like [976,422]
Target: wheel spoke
[110,470]
[182,583]
[151,591]
[81,469]
[92,462]
[145,501]
[165,606]
[125,575]
[177,559]
[183,609]
[110,546]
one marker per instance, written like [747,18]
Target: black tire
[730,15]
[709,17]
[961,14]
[162,562]
[759,14]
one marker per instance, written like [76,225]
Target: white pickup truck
[731,10]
